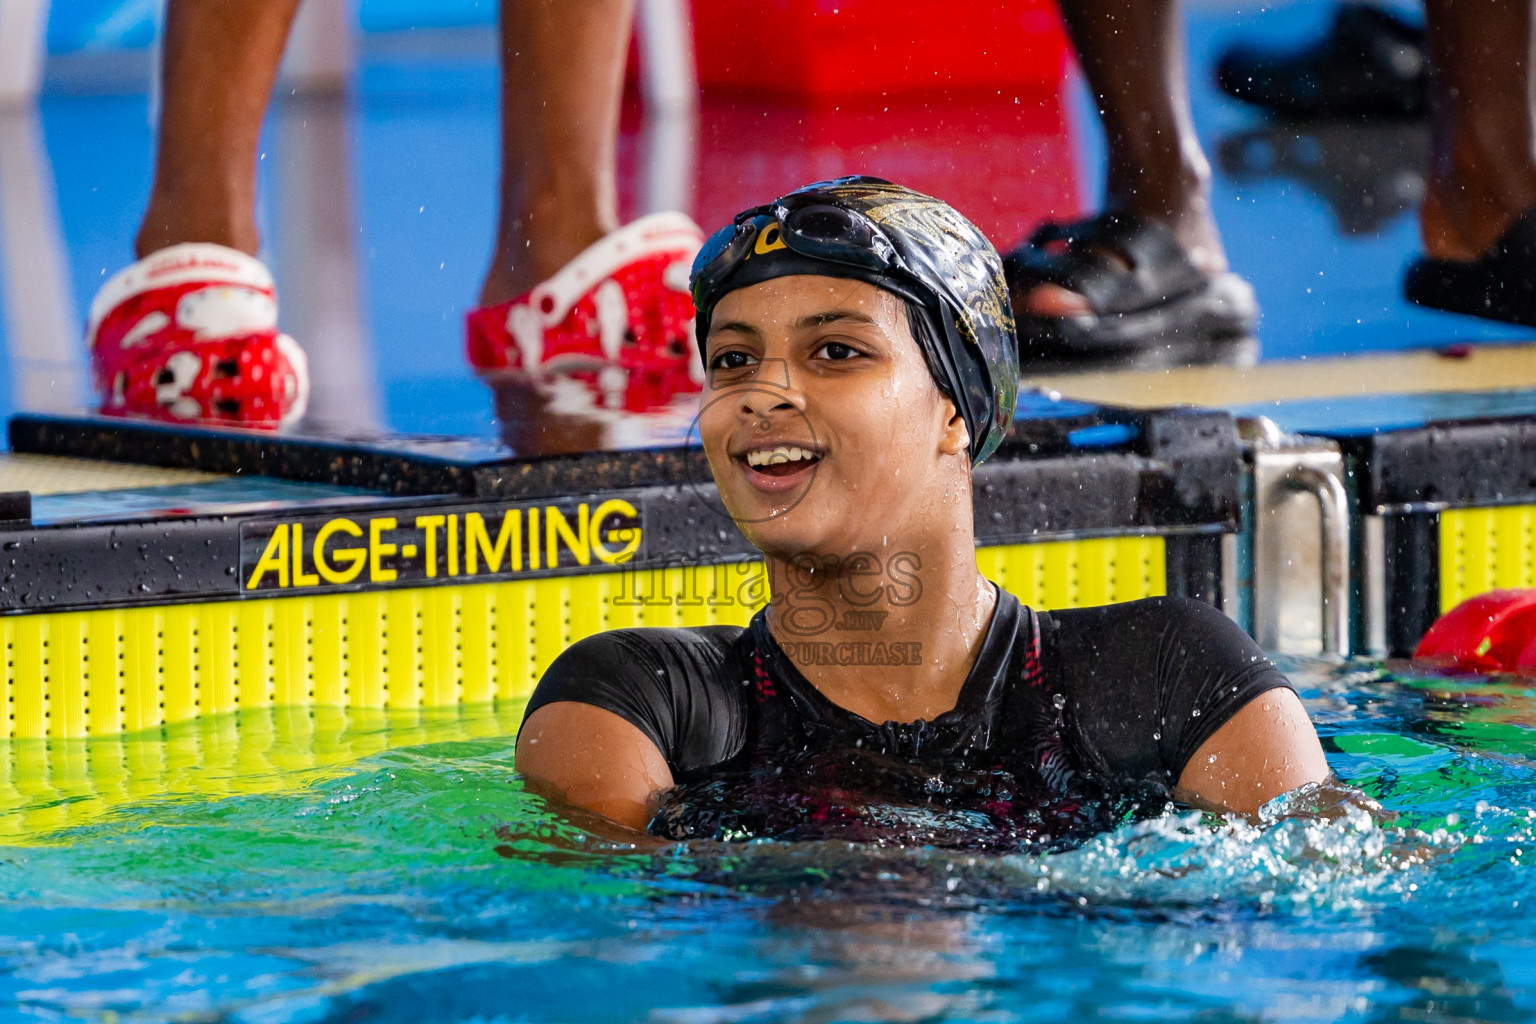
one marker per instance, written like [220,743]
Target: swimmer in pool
[860,360]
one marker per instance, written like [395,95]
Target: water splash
[430,876]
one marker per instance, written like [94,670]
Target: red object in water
[847,50]
[1493,632]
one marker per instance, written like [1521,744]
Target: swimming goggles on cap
[818,230]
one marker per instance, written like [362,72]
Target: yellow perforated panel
[1078,574]
[1483,549]
[70,674]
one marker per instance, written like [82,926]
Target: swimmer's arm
[1269,747]
[594,759]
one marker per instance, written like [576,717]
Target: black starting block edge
[1455,464]
[393,465]
[1197,451]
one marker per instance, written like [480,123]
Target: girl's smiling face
[824,429]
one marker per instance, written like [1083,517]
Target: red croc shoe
[623,301]
[189,335]
[1493,632]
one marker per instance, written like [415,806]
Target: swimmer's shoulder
[684,687]
[1147,637]
[1139,628]
[649,655]
[1149,680]
[1139,614]
[704,644]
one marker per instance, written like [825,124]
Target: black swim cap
[918,247]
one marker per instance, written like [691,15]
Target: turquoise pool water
[421,883]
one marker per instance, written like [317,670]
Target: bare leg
[220,60]
[562,80]
[1132,55]
[1483,142]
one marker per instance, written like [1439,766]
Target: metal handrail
[1333,530]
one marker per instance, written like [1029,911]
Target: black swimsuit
[1066,721]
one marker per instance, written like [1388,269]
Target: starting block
[409,573]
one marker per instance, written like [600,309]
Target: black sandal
[1499,286]
[1372,63]
[1141,288]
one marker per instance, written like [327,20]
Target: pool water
[423,883]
